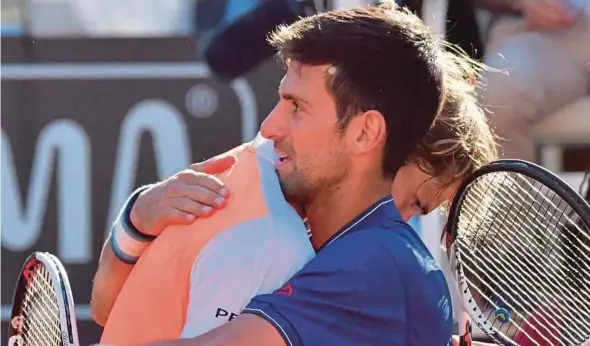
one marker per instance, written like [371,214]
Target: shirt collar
[264,148]
[383,209]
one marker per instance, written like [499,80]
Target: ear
[366,132]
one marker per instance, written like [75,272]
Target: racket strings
[525,275]
[40,311]
[523,307]
[562,255]
[475,267]
[545,286]
[38,328]
[544,250]
[565,211]
[510,190]
[490,302]
[511,199]
[523,246]
[520,309]
[568,252]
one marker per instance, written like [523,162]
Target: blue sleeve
[349,294]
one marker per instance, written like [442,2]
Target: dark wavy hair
[384,59]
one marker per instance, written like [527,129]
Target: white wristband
[126,241]
[129,245]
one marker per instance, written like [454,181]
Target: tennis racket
[518,239]
[43,305]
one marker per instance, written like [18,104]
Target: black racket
[43,306]
[518,239]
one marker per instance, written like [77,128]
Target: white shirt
[250,258]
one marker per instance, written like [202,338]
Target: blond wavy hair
[460,140]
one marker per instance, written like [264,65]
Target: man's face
[304,127]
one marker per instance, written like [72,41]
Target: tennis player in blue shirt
[362,88]
[372,283]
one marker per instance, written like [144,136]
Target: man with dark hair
[361,90]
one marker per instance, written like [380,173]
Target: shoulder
[361,255]
[392,249]
[394,241]
[266,237]
[403,243]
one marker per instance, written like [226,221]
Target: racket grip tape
[465,339]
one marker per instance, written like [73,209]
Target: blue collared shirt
[372,283]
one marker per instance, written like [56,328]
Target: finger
[215,165]
[188,178]
[197,192]
[189,206]
[203,195]
[193,178]
[213,184]
[178,217]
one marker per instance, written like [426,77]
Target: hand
[455,339]
[546,14]
[180,199]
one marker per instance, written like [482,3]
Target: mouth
[282,159]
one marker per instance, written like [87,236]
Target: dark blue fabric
[374,283]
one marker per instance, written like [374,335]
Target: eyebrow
[291,97]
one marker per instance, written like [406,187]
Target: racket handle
[465,338]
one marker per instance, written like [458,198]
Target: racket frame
[65,298]
[574,200]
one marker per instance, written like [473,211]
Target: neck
[332,210]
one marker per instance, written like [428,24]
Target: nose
[407,212]
[275,125]
[407,215]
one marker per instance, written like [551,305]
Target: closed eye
[295,108]
[421,209]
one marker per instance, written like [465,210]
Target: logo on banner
[65,144]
